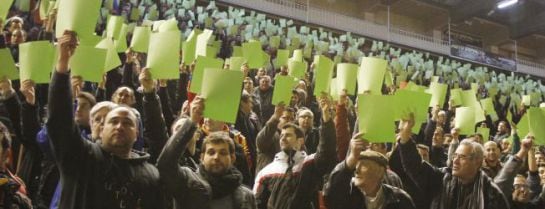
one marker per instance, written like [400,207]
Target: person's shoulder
[396,192]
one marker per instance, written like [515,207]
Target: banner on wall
[478,55]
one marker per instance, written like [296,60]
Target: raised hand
[5,87]
[67,45]
[27,89]
[146,81]
[325,107]
[197,109]
[357,145]
[406,128]
[278,110]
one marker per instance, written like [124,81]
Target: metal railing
[318,16]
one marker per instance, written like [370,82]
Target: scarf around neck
[222,185]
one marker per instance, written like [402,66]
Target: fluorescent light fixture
[506,3]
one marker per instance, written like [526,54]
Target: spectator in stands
[114,166]
[502,133]
[365,170]
[462,186]
[263,94]
[491,163]
[249,125]
[438,153]
[291,180]
[305,120]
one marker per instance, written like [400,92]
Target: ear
[233,158]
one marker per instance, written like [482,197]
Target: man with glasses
[462,186]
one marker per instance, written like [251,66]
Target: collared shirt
[376,202]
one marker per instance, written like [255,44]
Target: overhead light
[506,3]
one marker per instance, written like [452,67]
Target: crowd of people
[131,141]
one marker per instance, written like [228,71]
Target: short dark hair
[219,138]
[87,96]
[298,131]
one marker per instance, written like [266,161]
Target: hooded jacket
[92,178]
[292,180]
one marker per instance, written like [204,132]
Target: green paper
[282,56]
[91,40]
[235,63]
[536,120]
[376,118]
[468,98]
[527,100]
[274,41]
[346,77]
[334,91]
[237,51]
[438,92]
[23,5]
[412,101]
[88,62]
[253,53]
[197,76]
[488,106]
[78,16]
[523,127]
[121,41]
[169,25]
[283,87]
[202,42]
[188,54]
[7,65]
[388,78]
[485,132]
[135,14]
[114,27]
[222,94]
[456,97]
[44,6]
[465,120]
[323,72]
[297,55]
[36,60]
[112,59]
[163,55]
[4,9]
[297,69]
[140,39]
[371,75]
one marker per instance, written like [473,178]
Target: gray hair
[101,105]
[477,150]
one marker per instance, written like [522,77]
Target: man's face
[83,108]
[502,127]
[368,174]
[120,128]
[438,138]
[441,117]
[17,37]
[216,158]
[248,84]
[491,151]
[506,145]
[264,83]
[289,140]
[286,117]
[97,122]
[541,171]
[540,158]
[294,99]
[465,165]
[521,192]
[124,96]
[305,120]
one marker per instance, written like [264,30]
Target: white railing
[318,16]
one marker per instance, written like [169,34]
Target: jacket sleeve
[450,155]
[535,183]
[65,139]
[264,139]
[326,155]
[426,176]
[506,176]
[342,130]
[337,190]
[30,124]
[428,131]
[182,183]
[155,130]
[166,106]
[261,192]
[13,107]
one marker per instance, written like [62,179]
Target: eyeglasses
[462,157]
[521,186]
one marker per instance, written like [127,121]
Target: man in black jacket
[107,175]
[366,171]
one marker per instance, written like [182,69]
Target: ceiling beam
[528,25]
[471,8]
[389,2]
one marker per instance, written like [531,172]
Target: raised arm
[342,128]
[155,129]
[506,176]
[30,119]
[421,173]
[65,139]
[326,155]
